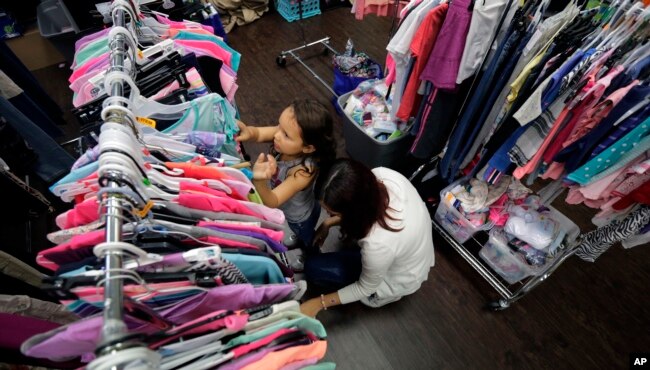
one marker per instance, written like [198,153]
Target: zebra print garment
[596,242]
[231,274]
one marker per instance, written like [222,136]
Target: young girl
[302,142]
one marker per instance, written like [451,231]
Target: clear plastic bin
[512,266]
[56,24]
[453,221]
[506,262]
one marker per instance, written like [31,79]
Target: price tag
[146,121]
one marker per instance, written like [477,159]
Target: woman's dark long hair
[316,123]
[351,189]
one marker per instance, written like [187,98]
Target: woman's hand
[246,133]
[265,167]
[311,307]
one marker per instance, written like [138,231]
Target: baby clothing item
[534,228]
[473,197]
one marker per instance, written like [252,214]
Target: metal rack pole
[114,328]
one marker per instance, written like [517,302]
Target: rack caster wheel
[499,305]
[325,52]
[281,60]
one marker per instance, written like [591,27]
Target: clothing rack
[580,246]
[116,110]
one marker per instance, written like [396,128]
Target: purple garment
[277,247]
[16,329]
[444,60]
[207,143]
[91,155]
[296,365]
[228,297]
[77,339]
[246,360]
[89,38]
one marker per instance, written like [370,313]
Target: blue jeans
[305,230]
[479,106]
[332,271]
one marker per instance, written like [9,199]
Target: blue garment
[53,161]
[215,21]
[574,155]
[496,150]
[76,174]
[257,269]
[639,68]
[305,230]
[555,83]
[500,161]
[457,142]
[630,146]
[275,246]
[333,271]
[622,129]
[504,76]
[428,89]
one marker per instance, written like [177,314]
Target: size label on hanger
[143,212]
[146,121]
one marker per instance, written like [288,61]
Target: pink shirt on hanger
[589,97]
[185,25]
[589,120]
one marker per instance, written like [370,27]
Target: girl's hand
[265,167]
[324,229]
[311,307]
[321,234]
[245,133]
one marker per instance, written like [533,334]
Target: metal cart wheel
[498,305]
[281,61]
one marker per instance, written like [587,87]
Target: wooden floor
[585,316]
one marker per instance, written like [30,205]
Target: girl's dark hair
[317,127]
[352,190]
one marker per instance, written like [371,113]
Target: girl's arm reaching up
[256,134]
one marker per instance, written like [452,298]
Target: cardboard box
[34,50]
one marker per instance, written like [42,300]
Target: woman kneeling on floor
[383,213]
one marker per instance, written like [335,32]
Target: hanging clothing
[445,58]
[482,28]
[597,242]
[421,46]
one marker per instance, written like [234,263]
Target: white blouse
[394,264]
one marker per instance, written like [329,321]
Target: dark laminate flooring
[586,315]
